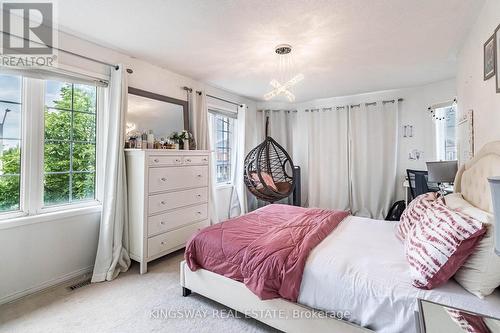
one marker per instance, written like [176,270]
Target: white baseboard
[46,285]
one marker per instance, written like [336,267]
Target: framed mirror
[161,114]
[438,318]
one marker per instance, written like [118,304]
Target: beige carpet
[131,303]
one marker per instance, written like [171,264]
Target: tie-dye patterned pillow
[439,244]
[413,213]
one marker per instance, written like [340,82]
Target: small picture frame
[497,56]
[489,57]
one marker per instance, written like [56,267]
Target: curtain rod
[215,97]
[443,104]
[375,103]
[275,110]
[130,71]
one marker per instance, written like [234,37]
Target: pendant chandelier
[285,78]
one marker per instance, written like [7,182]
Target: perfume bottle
[151,139]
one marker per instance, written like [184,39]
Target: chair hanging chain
[267,126]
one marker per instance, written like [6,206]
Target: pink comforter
[266,249]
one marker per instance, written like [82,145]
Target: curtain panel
[112,251]
[202,132]
[238,202]
[328,158]
[373,158]
[348,154]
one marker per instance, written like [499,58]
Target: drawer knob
[163,179]
[162,243]
[177,160]
[157,160]
[199,176]
[162,222]
[163,203]
[205,159]
[199,213]
[188,160]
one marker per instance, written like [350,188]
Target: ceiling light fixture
[285,67]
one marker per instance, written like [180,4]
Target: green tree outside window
[69,151]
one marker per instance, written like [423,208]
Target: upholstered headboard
[472,177]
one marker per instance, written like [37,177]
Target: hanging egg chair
[269,171]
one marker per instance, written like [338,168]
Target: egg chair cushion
[268,180]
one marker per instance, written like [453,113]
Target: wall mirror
[438,318]
[161,114]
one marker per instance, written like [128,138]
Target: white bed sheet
[361,268]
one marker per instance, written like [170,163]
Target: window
[446,133]
[62,116]
[10,142]
[223,127]
[69,142]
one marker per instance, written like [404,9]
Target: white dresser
[167,199]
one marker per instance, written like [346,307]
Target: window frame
[232,117]
[81,203]
[227,125]
[32,154]
[440,131]
[23,167]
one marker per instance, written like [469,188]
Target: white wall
[37,255]
[473,92]
[413,112]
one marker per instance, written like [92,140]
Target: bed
[357,273]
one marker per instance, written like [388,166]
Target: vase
[185,144]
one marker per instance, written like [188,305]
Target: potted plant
[175,138]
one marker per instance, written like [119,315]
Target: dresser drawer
[173,239]
[157,160]
[195,160]
[163,202]
[176,219]
[174,178]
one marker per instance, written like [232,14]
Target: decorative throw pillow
[480,274]
[413,213]
[268,180]
[439,244]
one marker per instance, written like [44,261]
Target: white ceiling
[341,46]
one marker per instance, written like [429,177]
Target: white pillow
[457,202]
[480,274]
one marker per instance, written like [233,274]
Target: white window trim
[23,220]
[31,208]
[224,185]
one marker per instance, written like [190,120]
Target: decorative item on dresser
[168,200]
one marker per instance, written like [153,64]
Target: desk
[406,185]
